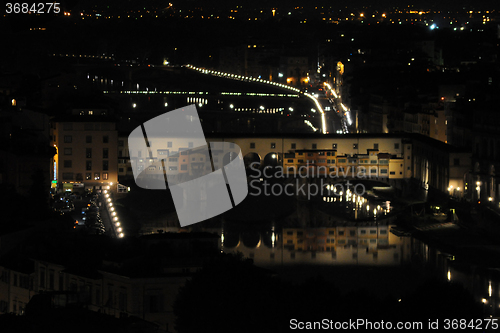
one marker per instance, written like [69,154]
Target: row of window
[88,165]
[88,176]
[89,126]
[340,233]
[315,146]
[88,152]
[88,139]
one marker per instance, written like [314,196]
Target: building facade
[87,151]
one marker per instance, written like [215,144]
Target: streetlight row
[281,85]
[111,209]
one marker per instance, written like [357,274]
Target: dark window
[169,144]
[88,165]
[68,163]
[122,301]
[88,139]
[120,143]
[252,145]
[105,153]
[42,277]
[396,146]
[51,279]
[190,145]
[61,281]
[155,303]
[105,165]
[120,169]
[273,145]
[314,146]
[184,167]
[68,151]
[68,139]
[67,175]
[88,153]
[375,146]
[97,296]
[105,139]
[456,161]
[354,146]
[294,145]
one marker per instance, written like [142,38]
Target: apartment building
[87,149]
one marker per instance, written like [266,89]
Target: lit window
[97,176]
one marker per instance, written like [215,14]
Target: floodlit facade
[87,146]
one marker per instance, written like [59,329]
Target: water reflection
[352,204]
[482,282]
[368,244]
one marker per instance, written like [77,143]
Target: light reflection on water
[355,206]
[369,244]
